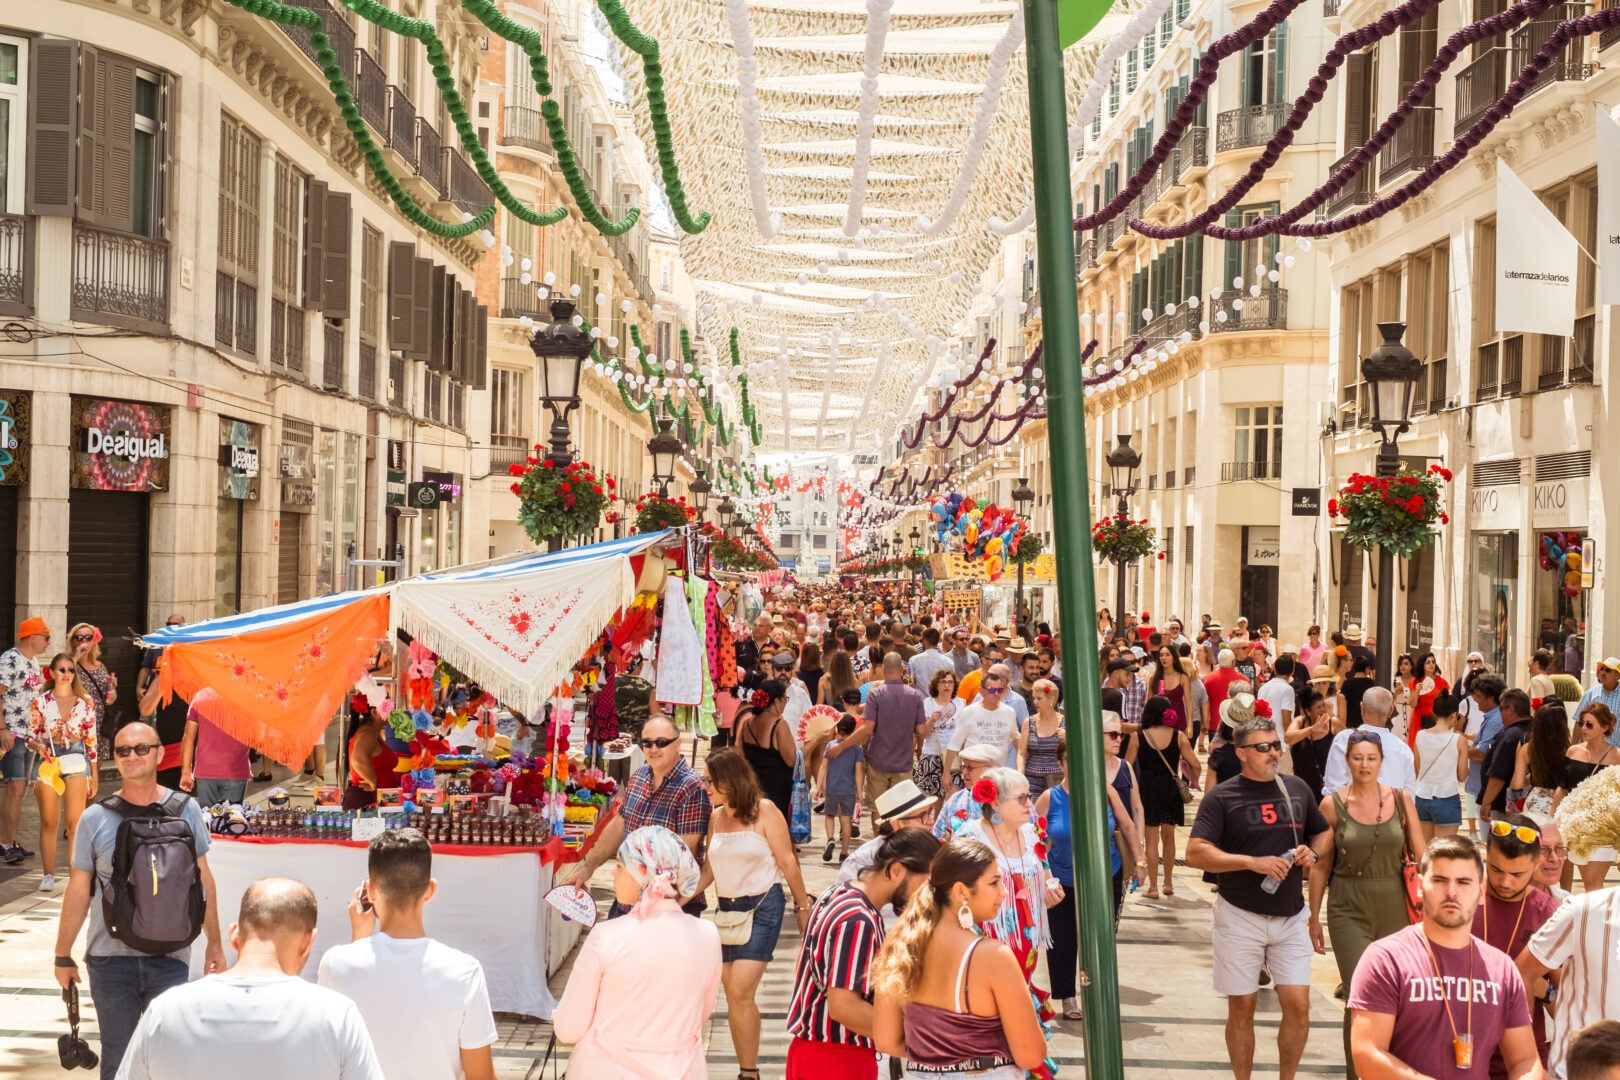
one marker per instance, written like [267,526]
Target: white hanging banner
[1536,262]
[1608,212]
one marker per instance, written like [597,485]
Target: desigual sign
[134,447]
[120,445]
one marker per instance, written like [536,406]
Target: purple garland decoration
[960,384]
[1131,357]
[1368,151]
[1208,69]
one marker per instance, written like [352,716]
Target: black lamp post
[561,348]
[664,448]
[700,489]
[1122,463]
[1022,496]
[1392,374]
[725,511]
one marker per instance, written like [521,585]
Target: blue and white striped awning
[264,618]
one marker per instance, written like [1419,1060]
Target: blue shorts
[769,907]
[1444,811]
[839,804]
[19,763]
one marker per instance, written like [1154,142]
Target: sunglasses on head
[1523,833]
[659,744]
[1363,735]
[138,749]
[1264,747]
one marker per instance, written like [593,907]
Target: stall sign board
[961,601]
[1307,502]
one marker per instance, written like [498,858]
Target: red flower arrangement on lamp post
[1397,513]
[558,501]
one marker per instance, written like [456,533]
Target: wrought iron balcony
[396,381]
[1570,65]
[368,371]
[120,280]
[1252,125]
[1612,34]
[1412,148]
[1032,308]
[16,264]
[1359,191]
[1268,311]
[1085,257]
[338,31]
[401,125]
[1478,86]
[1499,369]
[518,299]
[429,160]
[462,184]
[523,126]
[1192,152]
[332,357]
[1250,470]
[507,450]
[371,91]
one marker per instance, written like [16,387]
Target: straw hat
[1353,633]
[903,800]
[1238,706]
[1323,673]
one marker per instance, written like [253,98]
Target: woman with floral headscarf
[624,1015]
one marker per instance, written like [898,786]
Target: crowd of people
[1407,827]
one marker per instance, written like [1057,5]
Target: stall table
[490,904]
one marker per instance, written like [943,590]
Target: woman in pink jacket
[624,1016]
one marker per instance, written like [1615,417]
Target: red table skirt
[552,853]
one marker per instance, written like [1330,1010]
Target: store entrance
[289,558]
[106,584]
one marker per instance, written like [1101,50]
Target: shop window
[13,127]
[430,540]
[326,509]
[1495,574]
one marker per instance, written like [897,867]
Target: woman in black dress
[765,740]
[1155,752]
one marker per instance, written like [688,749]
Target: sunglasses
[181,622]
[994,689]
[1559,852]
[62,671]
[1264,747]
[138,749]
[1113,734]
[1523,833]
[1361,735]
[84,637]
[1023,800]
[659,744]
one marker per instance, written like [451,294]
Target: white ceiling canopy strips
[855,153]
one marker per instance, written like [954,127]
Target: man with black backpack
[140,871]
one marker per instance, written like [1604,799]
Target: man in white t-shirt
[989,721]
[425,1004]
[259,1020]
[1278,692]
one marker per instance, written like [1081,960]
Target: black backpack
[154,901]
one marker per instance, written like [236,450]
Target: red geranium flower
[548,464]
[984,791]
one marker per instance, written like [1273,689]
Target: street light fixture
[561,348]
[1392,374]
[664,448]
[725,511]
[1122,463]
[700,489]
[1022,496]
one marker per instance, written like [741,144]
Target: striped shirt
[1583,938]
[840,944]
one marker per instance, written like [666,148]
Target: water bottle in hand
[1271,884]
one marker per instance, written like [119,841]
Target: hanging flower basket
[1120,540]
[655,513]
[553,501]
[1396,512]
[1029,549]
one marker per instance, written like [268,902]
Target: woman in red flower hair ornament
[1004,822]
[765,739]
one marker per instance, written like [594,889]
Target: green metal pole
[1071,527]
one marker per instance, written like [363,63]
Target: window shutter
[1193,279]
[401,297]
[247,205]
[315,246]
[1357,67]
[118,148]
[1411,57]
[230,140]
[480,366]
[336,247]
[1234,250]
[91,198]
[53,94]
[1279,74]
[421,309]
[438,331]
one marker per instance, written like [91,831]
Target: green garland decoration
[646,47]
[326,59]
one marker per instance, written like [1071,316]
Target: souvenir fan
[816,719]
[419,675]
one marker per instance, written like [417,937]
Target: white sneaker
[47,883]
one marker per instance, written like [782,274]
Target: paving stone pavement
[1172,1029]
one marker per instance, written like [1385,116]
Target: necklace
[1462,1045]
[1485,922]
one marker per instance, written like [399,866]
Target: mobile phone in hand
[365,898]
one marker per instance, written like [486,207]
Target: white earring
[964,916]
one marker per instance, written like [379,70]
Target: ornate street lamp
[1122,463]
[1022,496]
[725,511]
[700,489]
[1392,374]
[561,348]
[664,448]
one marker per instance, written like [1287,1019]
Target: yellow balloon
[1572,560]
[992,546]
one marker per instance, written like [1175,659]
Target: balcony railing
[429,159]
[1570,65]
[16,263]
[402,125]
[1192,152]
[462,184]
[371,91]
[518,300]
[120,280]
[1612,34]
[1085,258]
[287,346]
[1478,86]
[507,450]
[1330,8]
[396,381]
[236,314]
[1412,148]
[1268,311]
[1358,192]
[1499,369]
[1032,308]
[338,30]
[1232,471]
[525,127]
[368,371]
[1252,125]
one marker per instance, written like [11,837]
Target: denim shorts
[769,907]
[1443,811]
[839,804]
[19,763]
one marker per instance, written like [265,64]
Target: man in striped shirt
[1582,940]
[830,1013]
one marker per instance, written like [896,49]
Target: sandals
[1151,894]
[1169,889]
[742,1074]
[1071,1009]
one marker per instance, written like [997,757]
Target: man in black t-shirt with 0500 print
[1259,846]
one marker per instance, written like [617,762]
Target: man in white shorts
[1258,826]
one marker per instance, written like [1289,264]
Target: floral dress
[97,682]
[45,725]
[1022,923]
